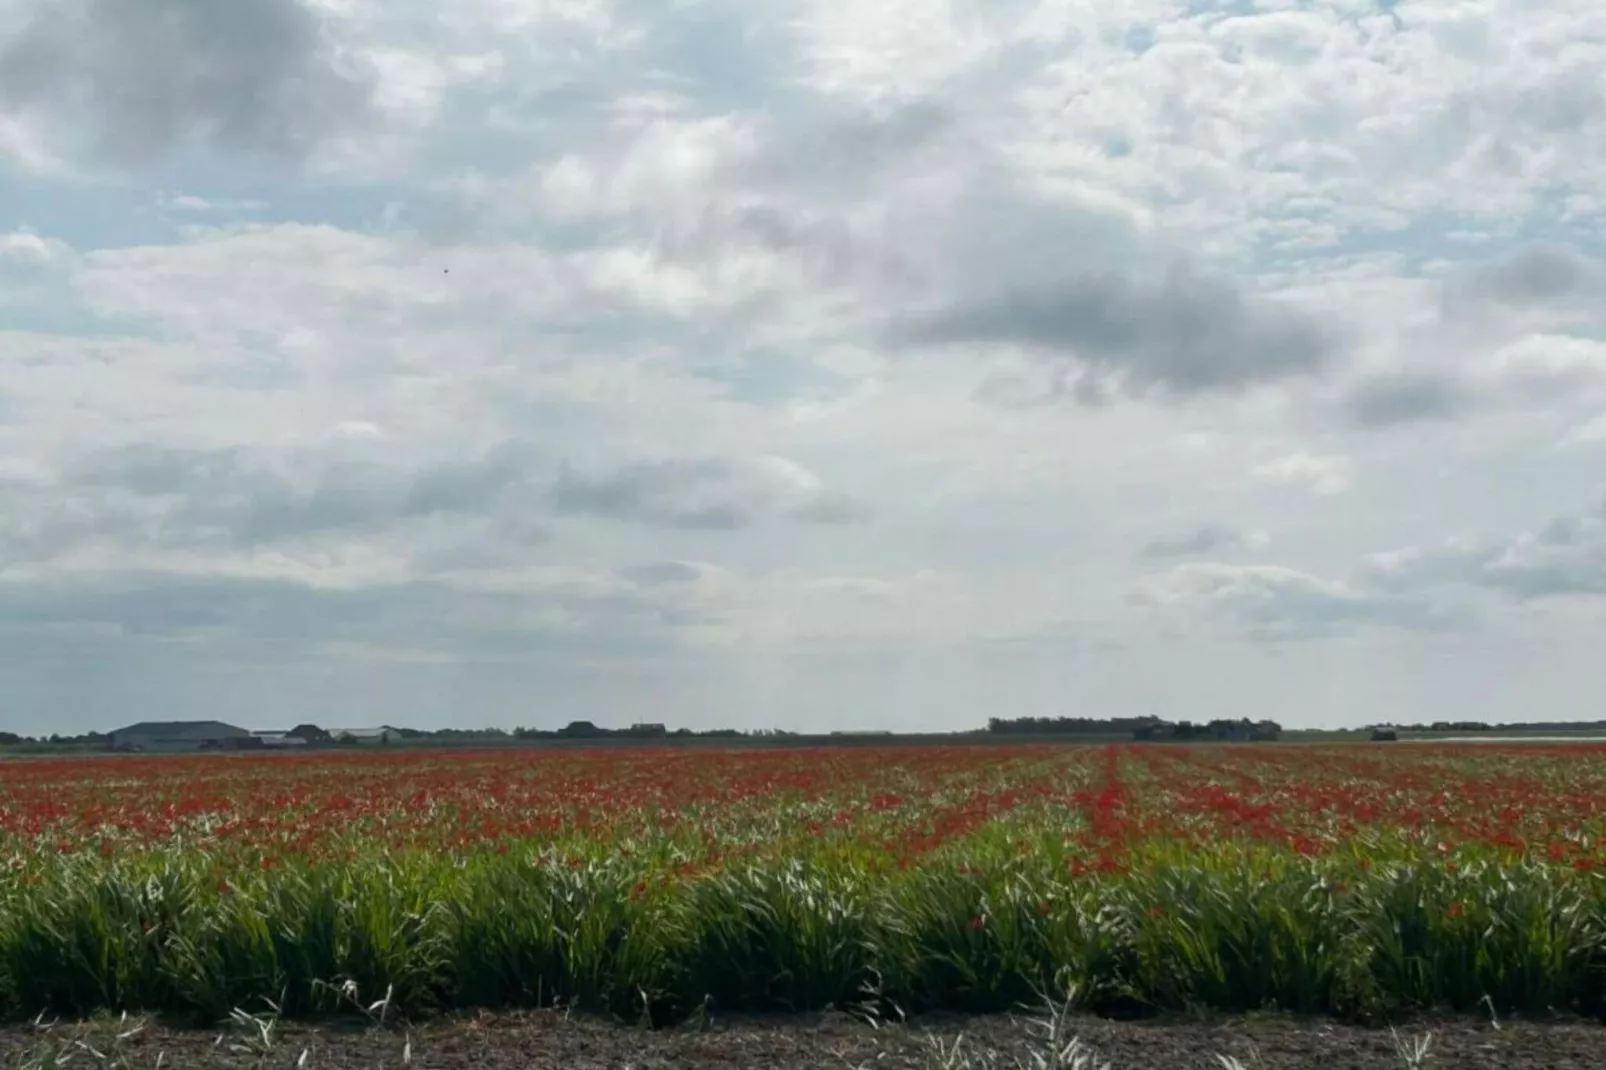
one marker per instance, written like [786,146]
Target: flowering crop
[1356,880]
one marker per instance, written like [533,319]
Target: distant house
[179,736]
[309,733]
[366,737]
[647,729]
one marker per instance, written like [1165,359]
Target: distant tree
[581,729]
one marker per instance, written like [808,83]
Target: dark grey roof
[182,729]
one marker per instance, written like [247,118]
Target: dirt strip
[553,1041]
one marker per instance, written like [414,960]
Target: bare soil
[554,1041]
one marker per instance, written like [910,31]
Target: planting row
[1229,928]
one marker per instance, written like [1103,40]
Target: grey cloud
[1534,275]
[1189,334]
[713,495]
[1385,400]
[830,507]
[682,494]
[1205,539]
[822,245]
[1283,604]
[661,573]
[888,137]
[855,147]
[252,76]
[254,609]
[1564,101]
[246,498]
[1412,588]
[1565,556]
[501,500]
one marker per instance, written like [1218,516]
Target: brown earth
[553,1041]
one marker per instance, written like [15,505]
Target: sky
[809,365]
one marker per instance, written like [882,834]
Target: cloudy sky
[810,364]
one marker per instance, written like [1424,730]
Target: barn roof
[182,729]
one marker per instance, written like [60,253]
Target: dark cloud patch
[1419,588]
[1564,557]
[661,573]
[1386,400]
[246,498]
[1189,334]
[1279,604]
[821,245]
[247,76]
[854,147]
[708,495]
[1534,275]
[418,614]
[1205,539]
[1563,102]
[681,494]
[500,501]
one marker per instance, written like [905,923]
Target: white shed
[365,736]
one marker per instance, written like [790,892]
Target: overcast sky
[819,364]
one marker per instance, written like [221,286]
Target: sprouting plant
[1413,1051]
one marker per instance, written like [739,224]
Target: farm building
[365,736]
[178,735]
[308,733]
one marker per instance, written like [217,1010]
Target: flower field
[1358,881]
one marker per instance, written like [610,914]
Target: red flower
[1456,909]
[978,922]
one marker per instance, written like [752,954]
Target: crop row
[1351,881]
[1232,929]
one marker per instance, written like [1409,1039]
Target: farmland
[1357,881]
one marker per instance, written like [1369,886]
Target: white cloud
[26,248]
[1275,603]
[1593,430]
[820,364]
[1316,473]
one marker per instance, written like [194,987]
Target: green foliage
[975,927]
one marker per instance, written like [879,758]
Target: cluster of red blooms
[701,807]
